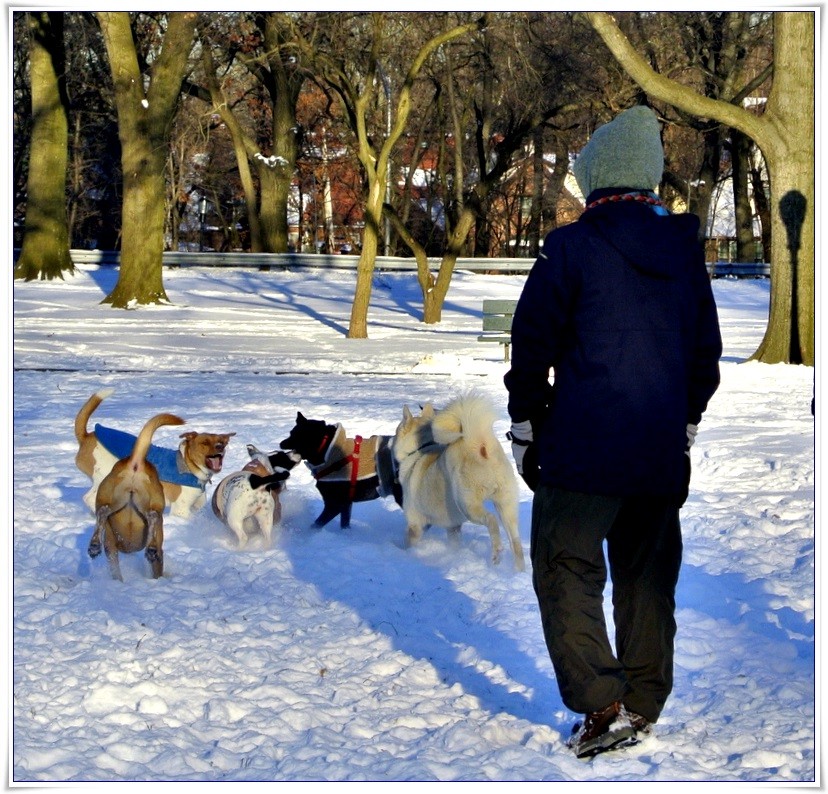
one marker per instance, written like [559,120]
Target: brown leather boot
[601,731]
[641,725]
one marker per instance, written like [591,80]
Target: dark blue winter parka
[616,348]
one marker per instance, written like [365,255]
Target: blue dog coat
[168,462]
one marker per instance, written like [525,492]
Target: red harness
[353,459]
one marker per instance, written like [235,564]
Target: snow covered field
[340,655]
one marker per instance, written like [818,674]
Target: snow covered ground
[341,655]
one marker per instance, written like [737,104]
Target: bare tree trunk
[144,118]
[433,307]
[283,83]
[282,80]
[533,233]
[700,193]
[760,200]
[272,210]
[240,147]
[739,158]
[358,327]
[75,169]
[556,183]
[45,249]
[170,203]
[482,230]
[459,174]
[424,277]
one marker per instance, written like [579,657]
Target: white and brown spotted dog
[249,500]
[184,473]
[129,506]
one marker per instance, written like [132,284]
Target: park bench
[497,323]
[739,269]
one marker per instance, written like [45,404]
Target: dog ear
[271,480]
[300,418]
[283,460]
[189,434]
[428,411]
[406,414]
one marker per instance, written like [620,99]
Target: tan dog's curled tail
[87,409]
[142,443]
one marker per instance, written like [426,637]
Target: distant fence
[300,261]
[349,262]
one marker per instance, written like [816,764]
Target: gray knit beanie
[626,152]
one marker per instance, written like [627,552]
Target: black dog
[346,470]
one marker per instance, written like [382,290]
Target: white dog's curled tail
[471,418]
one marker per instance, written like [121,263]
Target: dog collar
[424,447]
[185,474]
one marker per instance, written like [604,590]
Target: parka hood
[659,245]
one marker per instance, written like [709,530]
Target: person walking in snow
[619,307]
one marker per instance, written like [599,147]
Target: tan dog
[450,464]
[129,506]
[184,473]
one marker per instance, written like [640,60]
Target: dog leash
[354,467]
[323,444]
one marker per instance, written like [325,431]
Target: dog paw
[94,549]
[153,554]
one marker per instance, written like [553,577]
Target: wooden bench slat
[498,306]
[497,322]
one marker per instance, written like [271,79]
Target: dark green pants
[569,573]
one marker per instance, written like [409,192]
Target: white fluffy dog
[450,463]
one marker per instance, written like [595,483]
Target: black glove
[531,467]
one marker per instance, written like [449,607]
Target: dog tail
[469,418]
[88,408]
[142,443]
